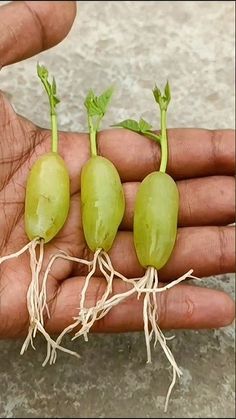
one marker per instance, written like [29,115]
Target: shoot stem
[164,142]
[54,137]
[92,137]
[51,90]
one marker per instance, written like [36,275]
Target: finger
[29,27]
[143,154]
[183,306]
[203,201]
[206,250]
[192,153]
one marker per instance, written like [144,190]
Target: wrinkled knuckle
[189,308]
[222,247]
[185,306]
[215,137]
[186,202]
[162,308]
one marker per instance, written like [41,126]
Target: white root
[19,253]
[37,296]
[147,285]
[92,268]
[84,319]
[34,287]
[85,287]
[34,311]
[88,316]
[43,293]
[104,305]
[150,316]
[42,303]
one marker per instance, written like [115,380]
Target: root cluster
[146,286]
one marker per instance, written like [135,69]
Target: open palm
[204,201]
[201,161]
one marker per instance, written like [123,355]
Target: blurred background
[131,45]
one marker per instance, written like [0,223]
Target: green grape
[47,198]
[103,202]
[155,219]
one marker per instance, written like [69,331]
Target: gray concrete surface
[132,44]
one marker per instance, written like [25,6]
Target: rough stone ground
[132,44]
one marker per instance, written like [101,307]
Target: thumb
[29,27]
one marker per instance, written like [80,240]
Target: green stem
[155,137]
[54,138]
[164,143]
[54,128]
[92,137]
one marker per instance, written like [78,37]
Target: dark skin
[201,161]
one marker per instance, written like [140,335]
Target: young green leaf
[42,71]
[104,99]
[97,105]
[50,88]
[96,108]
[141,127]
[144,126]
[167,93]
[157,94]
[130,124]
[55,100]
[162,100]
[91,105]
[54,86]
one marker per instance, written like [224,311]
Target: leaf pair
[162,100]
[136,126]
[51,88]
[142,126]
[97,105]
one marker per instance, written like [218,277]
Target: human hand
[204,243]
